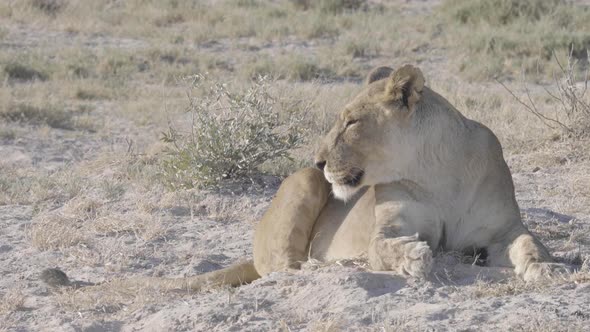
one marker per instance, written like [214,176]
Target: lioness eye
[350,122]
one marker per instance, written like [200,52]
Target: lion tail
[234,275]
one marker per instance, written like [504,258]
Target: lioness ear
[406,84]
[378,73]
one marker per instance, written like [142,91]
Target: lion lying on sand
[409,175]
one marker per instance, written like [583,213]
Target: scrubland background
[107,169]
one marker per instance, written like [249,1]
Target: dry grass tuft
[21,72]
[142,225]
[512,286]
[401,323]
[106,299]
[548,325]
[91,94]
[55,232]
[53,116]
[12,300]
[7,133]
[299,68]
[49,7]
[582,276]
[32,187]
[332,325]
[330,6]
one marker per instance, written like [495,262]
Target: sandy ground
[216,229]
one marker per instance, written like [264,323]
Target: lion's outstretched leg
[403,230]
[529,257]
[282,236]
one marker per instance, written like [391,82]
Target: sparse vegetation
[91,94]
[54,117]
[302,68]
[508,287]
[507,36]
[13,300]
[92,199]
[21,72]
[569,98]
[7,133]
[330,6]
[49,7]
[233,133]
[361,47]
[26,187]
[298,69]
[57,232]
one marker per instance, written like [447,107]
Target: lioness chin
[416,175]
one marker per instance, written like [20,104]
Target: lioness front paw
[404,255]
[545,271]
[417,259]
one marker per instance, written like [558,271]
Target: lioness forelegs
[529,257]
[401,226]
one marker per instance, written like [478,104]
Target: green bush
[233,133]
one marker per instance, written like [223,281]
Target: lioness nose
[320,164]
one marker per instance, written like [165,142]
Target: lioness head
[371,138]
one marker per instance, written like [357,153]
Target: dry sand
[175,235]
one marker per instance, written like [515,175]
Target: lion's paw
[545,272]
[417,259]
[405,255]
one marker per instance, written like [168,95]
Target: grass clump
[500,12]
[49,7]
[233,133]
[25,113]
[340,6]
[12,300]
[299,68]
[330,6]
[361,47]
[7,133]
[92,93]
[507,36]
[20,72]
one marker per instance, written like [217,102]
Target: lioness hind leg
[281,238]
[529,257]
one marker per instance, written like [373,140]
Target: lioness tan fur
[402,173]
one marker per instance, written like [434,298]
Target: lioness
[409,174]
